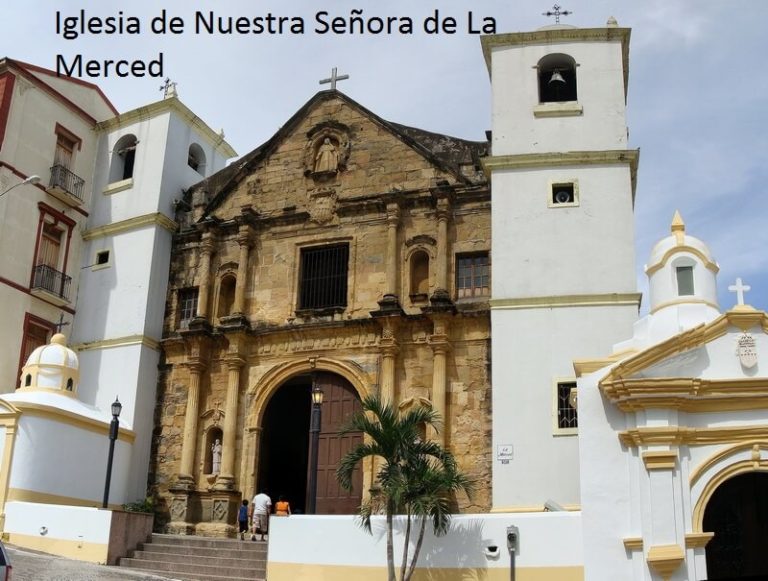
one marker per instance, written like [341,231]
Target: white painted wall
[546,539]
[68,461]
[600,84]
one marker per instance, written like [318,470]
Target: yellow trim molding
[560,35]
[676,435]
[66,417]
[587,366]
[541,160]
[692,541]
[682,248]
[756,447]
[665,559]
[660,460]
[597,300]
[318,572]
[115,187]
[164,106]
[568,109]
[690,394]
[82,551]
[697,336]
[119,342]
[156,219]
[23,495]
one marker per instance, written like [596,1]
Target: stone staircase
[200,558]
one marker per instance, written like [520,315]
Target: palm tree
[416,478]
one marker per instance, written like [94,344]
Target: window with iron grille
[187,306]
[472,275]
[566,413]
[323,276]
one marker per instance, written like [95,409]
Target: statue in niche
[327,158]
[216,457]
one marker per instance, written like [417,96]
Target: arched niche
[557,78]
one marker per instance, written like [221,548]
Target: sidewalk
[34,566]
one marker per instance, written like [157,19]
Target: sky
[697,104]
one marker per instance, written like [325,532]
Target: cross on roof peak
[333,78]
[61,324]
[739,288]
[557,13]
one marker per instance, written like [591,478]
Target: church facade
[348,253]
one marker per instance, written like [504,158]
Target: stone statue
[327,158]
[216,457]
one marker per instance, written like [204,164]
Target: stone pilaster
[226,479]
[244,239]
[186,477]
[442,294]
[390,300]
[204,275]
[389,350]
[440,347]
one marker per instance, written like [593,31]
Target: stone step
[254,563]
[192,541]
[194,577]
[192,569]
[246,550]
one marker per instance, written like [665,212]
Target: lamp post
[30,180]
[113,427]
[314,434]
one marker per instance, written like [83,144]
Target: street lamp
[113,426]
[314,434]
[30,180]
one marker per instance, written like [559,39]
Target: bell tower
[563,264]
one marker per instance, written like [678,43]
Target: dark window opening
[557,79]
[28,380]
[102,257]
[187,306]
[70,384]
[323,276]
[684,280]
[472,275]
[563,194]
[123,159]
[566,413]
[129,157]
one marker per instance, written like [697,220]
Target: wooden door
[340,402]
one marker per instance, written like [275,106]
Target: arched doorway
[284,454]
[738,515]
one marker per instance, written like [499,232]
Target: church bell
[556,78]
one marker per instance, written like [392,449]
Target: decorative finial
[557,13]
[333,78]
[612,23]
[678,227]
[169,89]
[59,339]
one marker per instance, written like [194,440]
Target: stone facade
[402,203]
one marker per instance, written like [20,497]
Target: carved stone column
[389,350]
[245,242]
[226,479]
[206,249]
[390,302]
[440,347]
[441,293]
[186,469]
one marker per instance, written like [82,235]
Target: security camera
[552,506]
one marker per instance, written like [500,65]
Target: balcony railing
[64,181]
[51,280]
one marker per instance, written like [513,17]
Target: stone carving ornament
[327,151]
[747,350]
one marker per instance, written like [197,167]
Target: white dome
[53,366]
[681,271]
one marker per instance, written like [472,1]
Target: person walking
[262,504]
[242,519]
[282,507]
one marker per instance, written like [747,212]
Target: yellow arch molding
[699,471]
[743,467]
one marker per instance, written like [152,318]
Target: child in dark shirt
[242,519]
